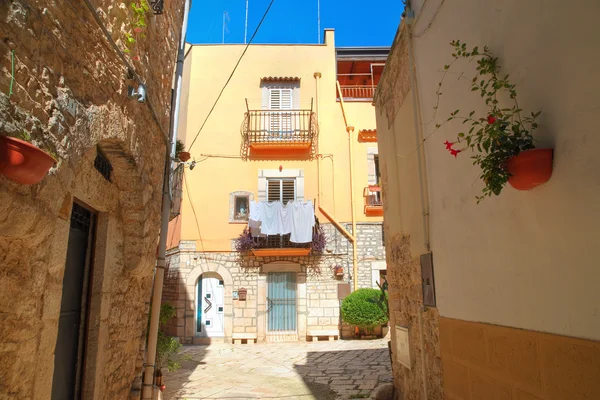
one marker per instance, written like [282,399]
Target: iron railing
[277,242]
[372,195]
[351,92]
[280,127]
[176,191]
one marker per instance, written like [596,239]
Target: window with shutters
[281,189]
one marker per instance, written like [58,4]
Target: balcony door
[280,104]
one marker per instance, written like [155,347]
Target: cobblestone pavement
[346,369]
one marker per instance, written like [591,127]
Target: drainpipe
[338,226]
[159,275]
[350,130]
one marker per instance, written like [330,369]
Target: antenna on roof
[246,28]
[225,21]
[319,21]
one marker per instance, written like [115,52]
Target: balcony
[279,134]
[279,245]
[367,136]
[176,191]
[373,201]
[357,93]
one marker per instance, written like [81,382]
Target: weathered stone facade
[318,304]
[70,94]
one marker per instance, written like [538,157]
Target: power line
[232,72]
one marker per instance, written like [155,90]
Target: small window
[102,165]
[241,208]
[220,309]
[207,323]
[208,295]
[220,283]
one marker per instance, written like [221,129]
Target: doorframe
[86,297]
[191,284]
[301,301]
[198,282]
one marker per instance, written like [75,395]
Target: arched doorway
[210,305]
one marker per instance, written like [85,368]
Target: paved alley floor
[346,369]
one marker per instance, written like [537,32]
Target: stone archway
[190,288]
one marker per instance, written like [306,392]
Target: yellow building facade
[295,122]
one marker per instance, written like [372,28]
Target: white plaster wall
[523,259]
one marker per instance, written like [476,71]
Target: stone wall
[69,93]
[319,305]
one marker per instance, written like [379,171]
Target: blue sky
[356,23]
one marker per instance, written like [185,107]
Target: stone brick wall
[61,56]
[322,305]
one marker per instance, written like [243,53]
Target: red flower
[136,58]
[448,145]
[454,152]
[491,119]
[137,29]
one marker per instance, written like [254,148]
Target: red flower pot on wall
[23,162]
[184,156]
[530,168]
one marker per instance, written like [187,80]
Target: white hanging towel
[303,221]
[271,218]
[255,217]
[286,218]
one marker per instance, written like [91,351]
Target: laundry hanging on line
[296,218]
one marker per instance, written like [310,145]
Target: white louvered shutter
[281,121]
[283,190]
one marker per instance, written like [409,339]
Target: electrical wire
[231,75]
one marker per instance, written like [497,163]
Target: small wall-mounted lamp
[140,93]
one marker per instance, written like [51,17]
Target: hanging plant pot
[339,271]
[184,156]
[23,162]
[530,168]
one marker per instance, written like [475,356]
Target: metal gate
[281,302]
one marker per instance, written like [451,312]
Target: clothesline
[296,218]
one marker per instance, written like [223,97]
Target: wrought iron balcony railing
[176,191]
[277,242]
[351,92]
[373,201]
[268,133]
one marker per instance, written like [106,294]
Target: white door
[210,306]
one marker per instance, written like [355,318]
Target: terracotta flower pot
[23,162]
[530,168]
[184,156]
[339,272]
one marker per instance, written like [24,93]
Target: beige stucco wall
[521,259]
[224,172]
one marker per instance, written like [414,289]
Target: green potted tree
[501,138]
[22,161]
[360,309]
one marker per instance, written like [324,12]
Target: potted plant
[501,138]
[23,162]
[319,241]
[338,270]
[180,152]
[360,309]
[245,242]
[167,347]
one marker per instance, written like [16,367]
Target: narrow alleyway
[323,370]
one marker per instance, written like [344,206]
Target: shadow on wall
[350,373]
